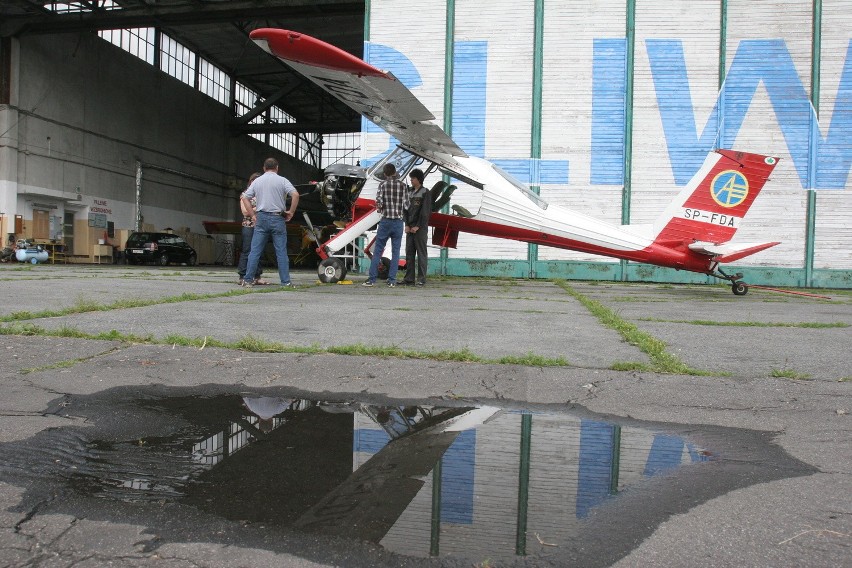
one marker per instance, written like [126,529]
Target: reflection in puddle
[418,480]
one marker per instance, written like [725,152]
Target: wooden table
[56,252]
[101,251]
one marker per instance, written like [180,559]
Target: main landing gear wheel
[331,270]
[739,288]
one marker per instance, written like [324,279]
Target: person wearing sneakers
[271,191]
[247,234]
[391,202]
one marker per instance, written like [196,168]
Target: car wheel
[192,260]
[164,259]
[331,270]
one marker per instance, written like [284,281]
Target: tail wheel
[192,260]
[331,270]
[164,260]
[739,288]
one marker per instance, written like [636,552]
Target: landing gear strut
[738,287]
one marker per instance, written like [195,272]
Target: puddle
[472,482]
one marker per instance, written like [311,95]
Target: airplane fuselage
[509,210]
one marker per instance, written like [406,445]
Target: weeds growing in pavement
[661,360]
[789,374]
[809,325]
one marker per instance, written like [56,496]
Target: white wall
[661,136]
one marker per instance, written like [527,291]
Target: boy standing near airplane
[417,230]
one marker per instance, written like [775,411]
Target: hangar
[128,114]
[604,105]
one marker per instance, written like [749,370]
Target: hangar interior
[118,115]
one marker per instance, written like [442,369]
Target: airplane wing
[375,94]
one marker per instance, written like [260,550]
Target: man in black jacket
[417,230]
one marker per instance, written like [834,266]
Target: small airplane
[693,233]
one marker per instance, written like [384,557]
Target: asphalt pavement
[771,365]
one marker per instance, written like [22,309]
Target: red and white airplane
[693,233]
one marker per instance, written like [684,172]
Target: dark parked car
[161,248]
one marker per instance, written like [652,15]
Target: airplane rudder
[718,201]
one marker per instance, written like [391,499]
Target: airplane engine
[340,188]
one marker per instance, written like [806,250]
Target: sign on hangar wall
[640,111]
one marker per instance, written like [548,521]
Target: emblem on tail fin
[729,188]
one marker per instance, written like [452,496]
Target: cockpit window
[521,187]
[404,161]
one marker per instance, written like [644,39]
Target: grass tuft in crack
[533,360]
[661,360]
[789,374]
[85,306]
[257,345]
[806,325]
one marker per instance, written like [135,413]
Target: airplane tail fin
[709,210]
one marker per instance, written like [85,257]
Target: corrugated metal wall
[833,243]
[786,27]
[628,113]
[570,103]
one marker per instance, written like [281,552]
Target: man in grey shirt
[270,191]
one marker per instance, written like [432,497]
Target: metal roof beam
[297,127]
[143,15]
[264,105]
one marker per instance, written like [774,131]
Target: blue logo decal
[729,188]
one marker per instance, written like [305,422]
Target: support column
[810,214]
[435,533]
[9,52]
[449,69]
[523,485]
[628,123]
[535,134]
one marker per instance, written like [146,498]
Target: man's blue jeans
[388,229]
[269,225]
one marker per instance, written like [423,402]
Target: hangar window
[341,148]
[214,82]
[74,7]
[284,141]
[189,67]
[177,60]
[311,147]
[138,41]
[244,101]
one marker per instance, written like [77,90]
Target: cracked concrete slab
[489,320]
[800,520]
